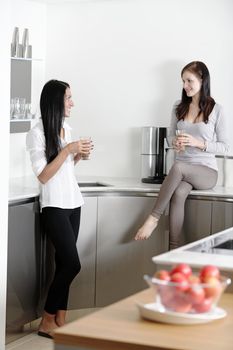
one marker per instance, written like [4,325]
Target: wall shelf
[26,59]
[21,86]
[21,120]
[20,125]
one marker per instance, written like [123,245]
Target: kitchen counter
[119,326]
[27,188]
[201,253]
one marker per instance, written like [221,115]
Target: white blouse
[62,189]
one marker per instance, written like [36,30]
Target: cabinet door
[23,271]
[82,291]
[222,216]
[122,261]
[197,220]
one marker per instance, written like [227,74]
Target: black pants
[62,227]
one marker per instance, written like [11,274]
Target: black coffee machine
[153,154]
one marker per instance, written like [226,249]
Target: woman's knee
[73,267]
[177,168]
[180,194]
[76,267]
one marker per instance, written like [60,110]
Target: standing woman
[199,122]
[53,156]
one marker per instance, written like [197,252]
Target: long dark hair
[206,102]
[52,114]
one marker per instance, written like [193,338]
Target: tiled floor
[31,342]
[27,339]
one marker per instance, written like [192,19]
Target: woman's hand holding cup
[183,139]
[180,141]
[81,149]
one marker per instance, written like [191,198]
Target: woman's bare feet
[47,325]
[60,317]
[147,228]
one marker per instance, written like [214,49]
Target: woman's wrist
[66,150]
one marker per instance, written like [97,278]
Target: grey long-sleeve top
[213,133]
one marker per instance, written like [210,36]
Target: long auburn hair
[52,114]
[206,102]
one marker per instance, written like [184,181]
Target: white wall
[4,146]
[123,60]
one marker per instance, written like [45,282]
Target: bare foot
[47,324]
[60,317]
[147,228]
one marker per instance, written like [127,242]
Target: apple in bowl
[180,290]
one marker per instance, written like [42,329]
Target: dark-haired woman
[53,156]
[197,133]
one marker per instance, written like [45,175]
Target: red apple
[180,303]
[195,294]
[162,275]
[204,306]
[181,280]
[185,269]
[209,271]
[214,287]
[193,279]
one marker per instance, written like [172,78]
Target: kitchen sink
[225,245]
[92,184]
[220,244]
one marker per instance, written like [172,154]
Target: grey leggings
[182,178]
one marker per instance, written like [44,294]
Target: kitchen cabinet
[24,268]
[82,290]
[222,216]
[122,261]
[114,267]
[197,220]
[112,262]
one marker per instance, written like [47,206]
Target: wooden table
[119,327]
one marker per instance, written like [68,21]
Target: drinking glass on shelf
[22,107]
[12,108]
[28,111]
[19,108]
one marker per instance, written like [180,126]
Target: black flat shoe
[45,335]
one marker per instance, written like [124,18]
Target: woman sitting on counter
[197,133]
